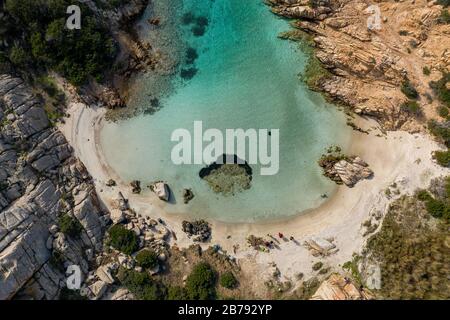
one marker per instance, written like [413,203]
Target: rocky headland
[366,53]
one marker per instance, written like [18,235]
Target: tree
[200,284]
[122,239]
[70,226]
[147,259]
[228,280]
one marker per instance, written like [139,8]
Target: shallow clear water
[247,78]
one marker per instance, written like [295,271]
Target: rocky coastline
[364,68]
[52,215]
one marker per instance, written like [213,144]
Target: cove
[236,74]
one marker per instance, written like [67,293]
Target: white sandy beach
[397,157]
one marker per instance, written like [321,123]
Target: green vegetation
[444,17]
[442,157]
[314,72]
[142,285]
[317,266]
[352,267]
[441,89]
[177,293]
[70,226]
[437,206]
[122,239]
[426,71]
[411,107]
[57,261]
[228,280]
[200,284]
[147,259]
[409,90]
[440,130]
[443,112]
[444,3]
[412,252]
[41,40]
[67,294]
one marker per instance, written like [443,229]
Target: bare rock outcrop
[369,48]
[345,170]
[40,181]
[336,287]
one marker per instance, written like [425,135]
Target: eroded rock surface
[369,48]
[336,287]
[40,181]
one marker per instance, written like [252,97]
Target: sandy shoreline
[393,158]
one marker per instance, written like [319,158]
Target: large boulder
[336,287]
[161,189]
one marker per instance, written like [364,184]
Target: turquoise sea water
[246,78]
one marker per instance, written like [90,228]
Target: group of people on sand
[271,243]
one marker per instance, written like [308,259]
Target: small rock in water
[136,186]
[188,195]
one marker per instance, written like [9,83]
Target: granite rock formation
[40,180]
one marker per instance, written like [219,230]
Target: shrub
[426,71]
[444,3]
[442,157]
[440,130]
[441,89]
[176,293]
[200,284]
[122,239]
[228,280]
[411,254]
[317,266]
[411,107]
[443,112]
[19,56]
[435,208]
[147,259]
[142,285]
[70,226]
[67,294]
[444,18]
[57,261]
[423,195]
[409,90]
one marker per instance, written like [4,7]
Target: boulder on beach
[345,170]
[161,189]
[117,216]
[200,230]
